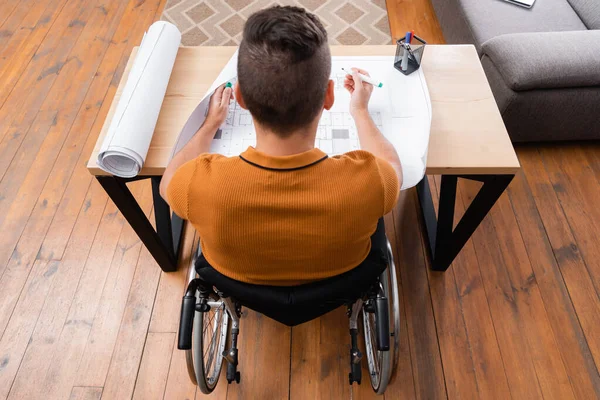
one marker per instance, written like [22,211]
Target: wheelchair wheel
[209,336]
[209,339]
[382,363]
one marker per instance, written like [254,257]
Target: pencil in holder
[414,55]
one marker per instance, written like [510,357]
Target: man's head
[283,69]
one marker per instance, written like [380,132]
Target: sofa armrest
[546,60]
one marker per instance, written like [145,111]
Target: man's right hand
[369,135]
[360,92]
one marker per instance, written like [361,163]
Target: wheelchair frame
[381,343]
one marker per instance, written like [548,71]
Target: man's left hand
[219,106]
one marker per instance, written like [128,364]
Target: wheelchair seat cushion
[294,305]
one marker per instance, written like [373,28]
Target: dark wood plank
[402,385]
[320,358]
[472,362]
[539,331]
[424,346]
[514,299]
[592,154]
[264,358]
[568,292]
[578,191]
[417,15]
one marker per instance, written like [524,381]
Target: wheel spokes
[211,351]
[372,330]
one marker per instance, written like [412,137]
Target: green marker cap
[228,85]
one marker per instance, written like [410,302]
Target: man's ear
[329,95]
[238,96]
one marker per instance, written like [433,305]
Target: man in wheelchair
[284,229]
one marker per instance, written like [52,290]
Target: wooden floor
[85,313]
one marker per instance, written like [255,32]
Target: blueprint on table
[401,109]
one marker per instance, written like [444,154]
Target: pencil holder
[413,57]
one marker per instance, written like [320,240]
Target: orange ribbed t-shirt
[284,220]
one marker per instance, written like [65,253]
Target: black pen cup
[414,54]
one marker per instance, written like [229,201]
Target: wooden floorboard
[103,331]
[506,304]
[52,316]
[568,294]
[417,15]
[86,393]
[85,310]
[6,10]
[464,322]
[154,367]
[13,14]
[402,385]
[23,43]
[428,374]
[320,357]
[129,345]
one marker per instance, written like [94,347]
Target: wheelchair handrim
[380,363]
[208,354]
[394,311]
[374,357]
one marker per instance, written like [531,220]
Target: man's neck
[297,142]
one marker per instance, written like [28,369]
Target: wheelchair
[212,306]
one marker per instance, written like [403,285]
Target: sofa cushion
[491,18]
[546,60]
[588,11]
[546,114]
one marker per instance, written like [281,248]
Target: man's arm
[200,142]
[371,139]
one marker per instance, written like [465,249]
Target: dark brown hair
[283,67]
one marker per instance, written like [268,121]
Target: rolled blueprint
[127,141]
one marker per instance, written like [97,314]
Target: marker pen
[404,64]
[365,78]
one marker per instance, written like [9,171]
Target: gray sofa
[543,63]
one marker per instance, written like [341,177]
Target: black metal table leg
[168,225]
[162,243]
[444,243]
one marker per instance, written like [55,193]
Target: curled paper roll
[127,141]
